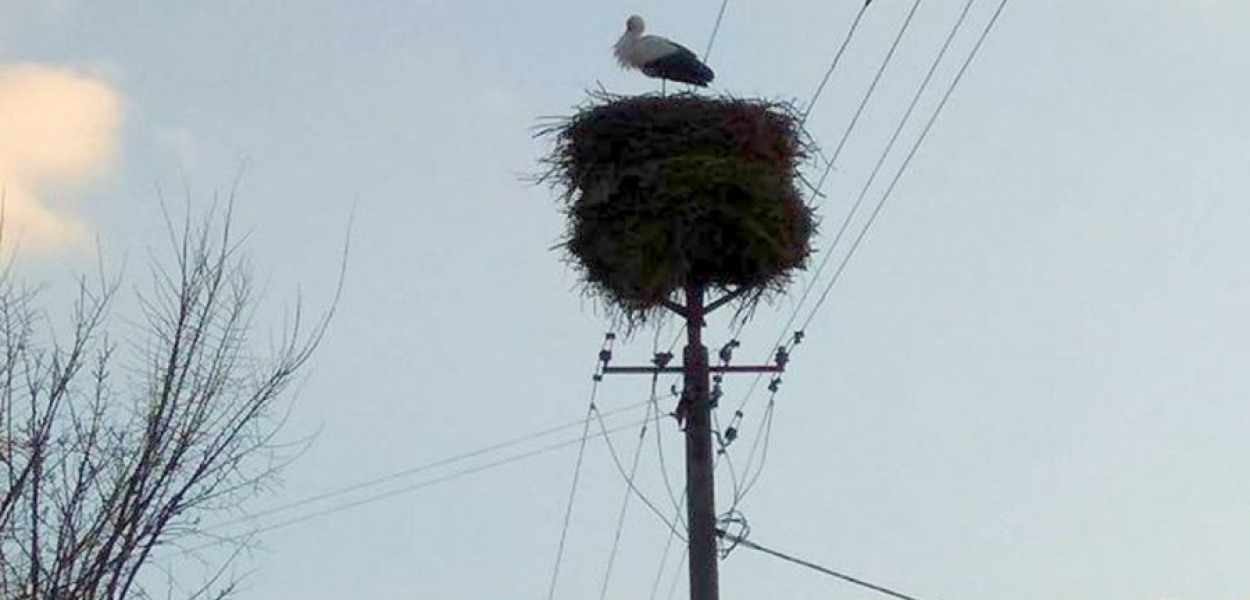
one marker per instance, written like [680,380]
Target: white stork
[659,57]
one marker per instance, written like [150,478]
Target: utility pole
[695,409]
[700,481]
[671,199]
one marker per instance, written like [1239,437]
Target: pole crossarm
[660,365]
[641,370]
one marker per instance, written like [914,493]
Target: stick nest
[662,192]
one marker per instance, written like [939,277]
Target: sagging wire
[620,467]
[605,356]
[620,519]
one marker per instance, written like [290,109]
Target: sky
[1026,384]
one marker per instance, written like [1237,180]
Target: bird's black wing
[681,65]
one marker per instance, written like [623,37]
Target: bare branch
[99,474]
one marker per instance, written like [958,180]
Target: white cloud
[58,128]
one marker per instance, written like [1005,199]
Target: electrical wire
[672,588]
[767,435]
[815,567]
[605,355]
[655,584]
[403,490]
[663,561]
[956,27]
[915,146]
[831,161]
[723,452]
[620,519]
[659,434]
[889,146]
[902,122]
[659,447]
[577,470]
[725,356]
[863,103]
[720,15]
[593,409]
[629,480]
[370,483]
[833,65]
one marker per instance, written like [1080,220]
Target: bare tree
[110,458]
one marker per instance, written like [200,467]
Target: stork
[659,57]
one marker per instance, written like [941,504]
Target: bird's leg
[663,88]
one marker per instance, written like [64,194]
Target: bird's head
[634,25]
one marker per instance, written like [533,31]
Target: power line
[370,483]
[911,153]
[833,65]
[672,588]
[568,511]
[815,567]
[655,585]
[620,519]
[850,215]
[723,452]
[837,57]
[845,223]
[831,161]
[767,435]
[863,103]
[659,447]
[720,14]
[629,480]
[401,490]
[605,354]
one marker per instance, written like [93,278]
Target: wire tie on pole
[783,357]
[774,384]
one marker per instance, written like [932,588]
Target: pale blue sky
[1027,385]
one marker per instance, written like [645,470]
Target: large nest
[667,191]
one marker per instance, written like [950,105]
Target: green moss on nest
[666,191]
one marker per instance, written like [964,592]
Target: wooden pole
[700,484]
